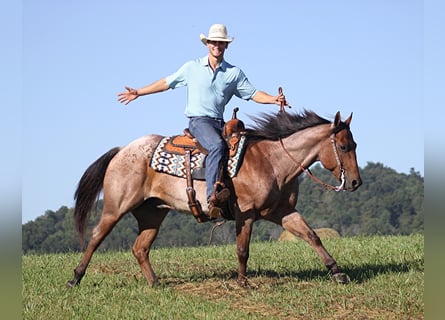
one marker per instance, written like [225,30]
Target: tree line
[388,203]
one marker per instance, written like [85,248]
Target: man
[211,82]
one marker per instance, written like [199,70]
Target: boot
[217,199]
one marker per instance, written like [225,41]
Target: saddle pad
[174,164]
[234,162]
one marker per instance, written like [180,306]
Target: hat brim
[204,39]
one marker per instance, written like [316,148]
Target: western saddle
[187,145]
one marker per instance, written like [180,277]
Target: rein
[309,173]
[306,170]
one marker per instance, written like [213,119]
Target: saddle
[232,132]
[182,143]
[186,145]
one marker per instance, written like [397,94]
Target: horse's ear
[348,121]
[337,120]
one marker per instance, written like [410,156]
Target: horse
[280,148]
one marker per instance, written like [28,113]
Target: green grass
[288,280]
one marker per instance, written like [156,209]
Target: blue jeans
[208,133]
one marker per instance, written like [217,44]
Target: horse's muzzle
[353,184]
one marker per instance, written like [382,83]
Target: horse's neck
[303,146]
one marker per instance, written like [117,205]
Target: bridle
[306,170]
[309,173]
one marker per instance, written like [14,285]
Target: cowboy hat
[217,32]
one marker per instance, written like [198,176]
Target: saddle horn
[235,110]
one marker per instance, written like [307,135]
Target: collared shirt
[209,92]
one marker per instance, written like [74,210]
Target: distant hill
[388,203]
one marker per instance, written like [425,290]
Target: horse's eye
[343,148]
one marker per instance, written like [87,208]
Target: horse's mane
[283,124]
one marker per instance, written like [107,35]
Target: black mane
[283,124]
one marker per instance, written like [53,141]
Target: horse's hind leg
[106,223]
[295,224]
[149,219]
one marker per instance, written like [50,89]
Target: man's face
[217,48]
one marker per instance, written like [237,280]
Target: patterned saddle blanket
[170,157]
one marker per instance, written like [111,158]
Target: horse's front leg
[295,224]
[243,234]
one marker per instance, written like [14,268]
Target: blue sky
[364,57]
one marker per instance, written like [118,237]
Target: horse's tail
[90,185]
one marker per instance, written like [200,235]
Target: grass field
[288,279]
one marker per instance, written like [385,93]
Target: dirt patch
[248,300]
[235,296]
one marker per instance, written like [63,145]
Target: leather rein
[309,173]
[306,170]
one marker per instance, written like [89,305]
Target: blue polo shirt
[209,92]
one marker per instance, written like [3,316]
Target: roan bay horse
[280,148]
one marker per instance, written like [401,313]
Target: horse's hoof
[71,284]
[341,277]
[243,283]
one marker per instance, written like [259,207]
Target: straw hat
[217,32]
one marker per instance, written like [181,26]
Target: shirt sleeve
[244,89]
[178,79]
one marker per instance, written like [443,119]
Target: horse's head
[338,154]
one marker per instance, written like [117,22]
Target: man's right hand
[127,96]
